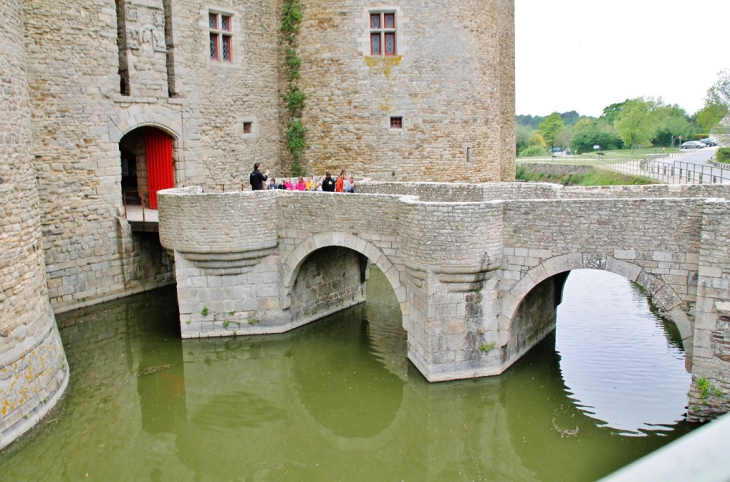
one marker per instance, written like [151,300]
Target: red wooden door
[159,163]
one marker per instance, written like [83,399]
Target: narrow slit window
[247,127]
[221,37]
[396,122]
[383,34]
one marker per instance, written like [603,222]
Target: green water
[334,401]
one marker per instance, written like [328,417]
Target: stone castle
[105,102]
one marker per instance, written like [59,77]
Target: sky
[584,55]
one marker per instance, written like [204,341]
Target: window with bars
[221,36]
[382,33]
[396,122]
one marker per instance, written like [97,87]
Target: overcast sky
[587,54]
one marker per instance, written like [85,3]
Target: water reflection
[348,393]
[334,401]
[623,365]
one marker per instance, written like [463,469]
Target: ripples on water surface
[629,370]
[338,400]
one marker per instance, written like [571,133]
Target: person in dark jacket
[258,179]
[328,184]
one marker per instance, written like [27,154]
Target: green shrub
[699,137]
[723,155]
[533,151]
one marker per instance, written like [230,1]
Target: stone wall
[711,357]
[33,370]
[631,230]
[452,82]
[426,191]
[217,97]
[80,114]
[229,249]
[330,280]
[137,64]
[76,108]
[535,318]
[441,192]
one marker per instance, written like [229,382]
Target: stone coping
[656,192]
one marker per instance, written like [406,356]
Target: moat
[338,399]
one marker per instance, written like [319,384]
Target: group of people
[343,183]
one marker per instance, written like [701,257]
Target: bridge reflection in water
[335,400]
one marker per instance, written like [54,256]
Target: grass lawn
[573,160]
[582,177]
[622,154]
[637,154]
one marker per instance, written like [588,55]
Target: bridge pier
[710,391]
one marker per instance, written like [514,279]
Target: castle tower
[33,370]
[410,90]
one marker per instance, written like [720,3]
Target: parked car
[709,142]
[693,145]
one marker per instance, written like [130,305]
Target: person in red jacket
[340,184]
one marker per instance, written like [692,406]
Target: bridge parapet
[511,191]
[477,269]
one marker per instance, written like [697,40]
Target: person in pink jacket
[301,185]
[288,184]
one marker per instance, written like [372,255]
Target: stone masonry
[470,264]
[33,370]
[99,70]
[451,81]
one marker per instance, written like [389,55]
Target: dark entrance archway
[147,165]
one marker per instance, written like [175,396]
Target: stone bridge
[478,269]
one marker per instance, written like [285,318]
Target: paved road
[700,156]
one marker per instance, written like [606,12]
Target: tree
[550,128]
[564,136]
[636,123]
[537,140]
[671,128]
[671,122]
[588,133]
[524,134]
[719,93]
[710,116]
[612,112]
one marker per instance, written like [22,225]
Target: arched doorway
[147,165]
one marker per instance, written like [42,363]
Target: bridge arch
[661,293]
[313,243]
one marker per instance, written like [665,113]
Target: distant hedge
[723,155]
[701,136]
